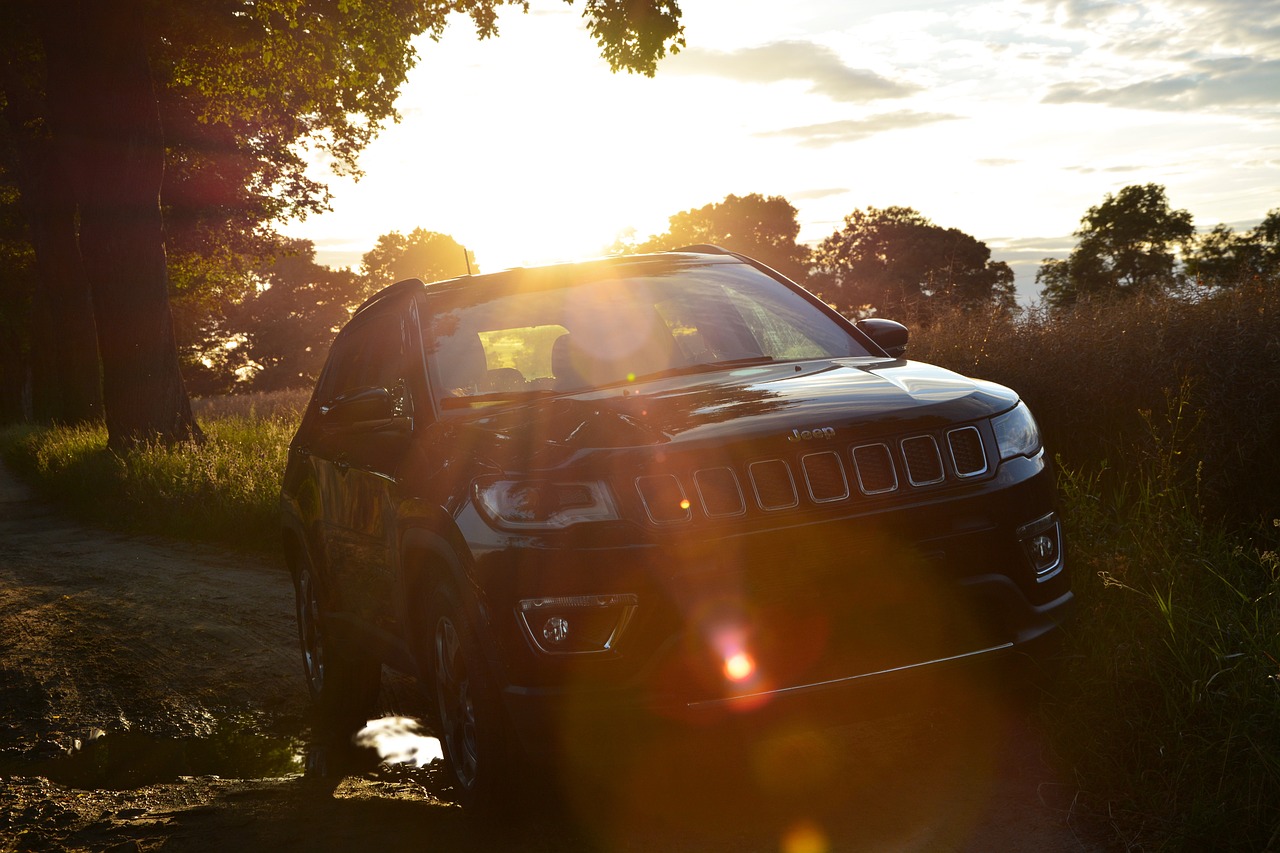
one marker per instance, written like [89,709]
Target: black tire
[473,735]
[342,679]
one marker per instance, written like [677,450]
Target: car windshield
[533,332]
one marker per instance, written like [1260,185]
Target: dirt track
[151,698]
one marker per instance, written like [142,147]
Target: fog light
[556,630]
[598,622]
[1042,543]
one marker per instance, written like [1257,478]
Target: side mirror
[359,406]
[888,335]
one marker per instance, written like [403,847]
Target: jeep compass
[667,487]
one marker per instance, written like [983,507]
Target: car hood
[852,397]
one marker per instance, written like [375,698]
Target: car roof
[689,256]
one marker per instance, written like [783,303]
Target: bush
[1094,374]
[1166,418]
[225,489]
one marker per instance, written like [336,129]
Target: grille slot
[719,492]
[664,498]
[874,467]
[924,463]
[966,451]
[824,475]
[774,487]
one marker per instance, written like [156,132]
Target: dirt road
[151,698]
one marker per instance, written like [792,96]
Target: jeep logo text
[807,434]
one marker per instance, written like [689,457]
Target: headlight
[1016,433]
[543,504]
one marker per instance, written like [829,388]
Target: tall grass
[1090,374]
[1165,414]
[225,489]
[1168,707]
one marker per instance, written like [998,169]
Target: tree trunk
[66,385]
[103,106]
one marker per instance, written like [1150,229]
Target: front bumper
[799,618]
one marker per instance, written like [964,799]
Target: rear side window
[368,354]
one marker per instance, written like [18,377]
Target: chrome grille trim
[809,464]
[865,463]
[759,471]
[970,444]
[658,511]
[923,461]
[709,491]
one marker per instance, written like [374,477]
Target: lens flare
[739,667]
[804,837]
[684,504]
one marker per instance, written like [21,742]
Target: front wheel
[472,732]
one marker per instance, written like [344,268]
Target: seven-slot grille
[823,476]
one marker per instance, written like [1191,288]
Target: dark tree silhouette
[759,227]
[1223,258]
[1127,245]
[895,261]
[422,254]
[326,74]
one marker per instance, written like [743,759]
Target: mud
[151,699]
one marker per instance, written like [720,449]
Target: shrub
[225,489]
[1090,373]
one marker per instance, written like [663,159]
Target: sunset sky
[1006,119]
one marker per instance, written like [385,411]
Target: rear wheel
[472,731]
[343,680]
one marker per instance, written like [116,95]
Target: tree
[17,284]
[58,330]
[1127,245]
[280,334]
[422,254]
[759,227]
[896,261]
[1222,258]
[290,73]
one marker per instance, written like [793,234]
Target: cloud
[817,64]
[852,130]
[811,195]
[998,161]
[1090,170]
[1205,85]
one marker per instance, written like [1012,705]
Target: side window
[368,354]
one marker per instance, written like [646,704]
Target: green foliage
[895,262]
[1168,706]
[1222,258]
[225,489]
[422,254]
[1089,372]
[1127,245]
[761,228]
[1165,415]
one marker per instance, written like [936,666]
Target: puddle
[124,760]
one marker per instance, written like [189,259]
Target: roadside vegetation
[1164,413]
[224,490]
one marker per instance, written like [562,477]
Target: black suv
[665,487]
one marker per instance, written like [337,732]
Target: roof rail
[389,291]
[704,249]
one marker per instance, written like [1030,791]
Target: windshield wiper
[496,397]
[708,367]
